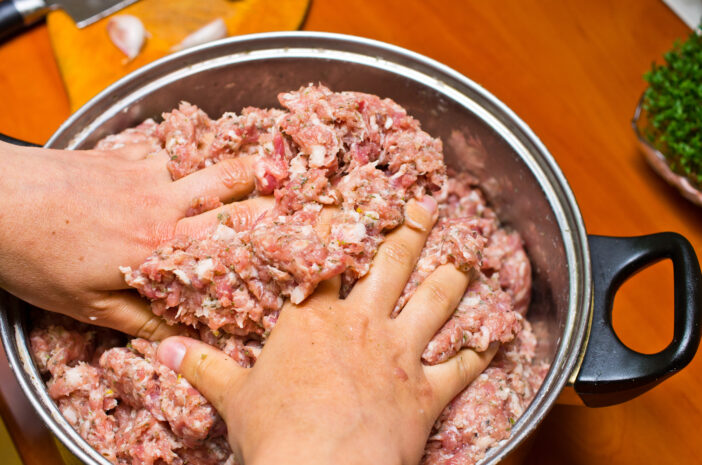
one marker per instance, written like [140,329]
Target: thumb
[209,370]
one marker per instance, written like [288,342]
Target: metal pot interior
[480,135]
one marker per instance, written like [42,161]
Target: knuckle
[134,151]
[103,308]
[437,293]
[184,227]
[233,172]
[103,312]
[100,307]
[150,327]
[242,216]
[398,252]
[156,234]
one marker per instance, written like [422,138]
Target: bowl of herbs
[668,118]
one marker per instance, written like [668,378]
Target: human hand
[71,218]
[340,381]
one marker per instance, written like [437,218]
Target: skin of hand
[340,381]
[70,219]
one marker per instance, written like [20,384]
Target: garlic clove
[214,30]
[127,33]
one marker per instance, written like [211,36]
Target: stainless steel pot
[575,276]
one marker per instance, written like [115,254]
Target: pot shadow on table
[564,420]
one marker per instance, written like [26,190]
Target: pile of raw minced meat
[363,156]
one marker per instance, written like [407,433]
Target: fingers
[129,313]
[397,256]
[209,370]
[227,180]
[432,304]
[455,374]
[237,215]
[324,295]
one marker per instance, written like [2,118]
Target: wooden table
[572,70]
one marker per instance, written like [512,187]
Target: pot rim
[391,58]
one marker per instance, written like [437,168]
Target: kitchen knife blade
[16,14]
[85,12]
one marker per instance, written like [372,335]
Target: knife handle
[11,20]
[16,14]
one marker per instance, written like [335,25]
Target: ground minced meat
[341,166]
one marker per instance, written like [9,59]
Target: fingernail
[428,203]
[171,352]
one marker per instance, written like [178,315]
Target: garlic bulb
[217,29]
[127,33]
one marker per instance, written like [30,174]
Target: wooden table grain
[572,70]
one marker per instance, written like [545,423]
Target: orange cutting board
[89,61]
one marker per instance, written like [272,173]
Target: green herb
[673,105]
[223,218]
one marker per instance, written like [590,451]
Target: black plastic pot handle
[12,140]
[611,372]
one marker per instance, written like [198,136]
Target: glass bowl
[658,162]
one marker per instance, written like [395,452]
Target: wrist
[322,450]
[16,166]
[9,195]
